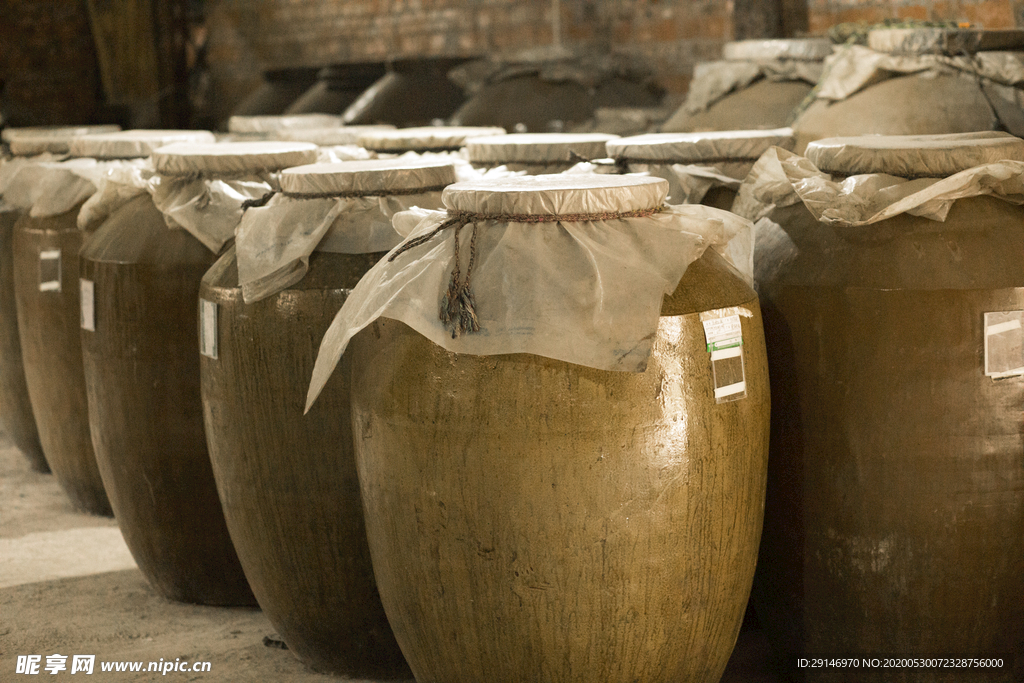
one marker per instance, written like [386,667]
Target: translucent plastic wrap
[853,67]
[946,41]
[201,188]
[537,152]
[749,60]
[781,178]
[693,163]
[344,208]
[571,267]
[425,138]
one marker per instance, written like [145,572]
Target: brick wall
[993,14]
[48,62]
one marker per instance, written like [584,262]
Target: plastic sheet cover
[804,49]
[201,188]
[781,178]
[273,243]
[45,188]
[948,41]
[854,67]
[714,80]
[587,291]
[694,163]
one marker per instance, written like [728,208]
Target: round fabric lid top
[374,176]
[526,148]
[914,156]
[944,41]
[558,194]
[34,140]
[232,157]
[335,135]
[132,144]
[807,49]
[271,124]
[726,145]
[425,137]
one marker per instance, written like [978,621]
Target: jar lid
[806,49]
[336,135]
[707,147]
[132,144]
[557,193]
[526,148]
[425,138]
[232,157]
[33,140]
[373,176]
[271,124]
[914,156]
[943,41]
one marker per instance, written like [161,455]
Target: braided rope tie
[262,201]
[458,306]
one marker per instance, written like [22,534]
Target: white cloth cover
[694,163]
[781,178]
[853,67]
[273,124]
[536,148]
[132,144]
[914,156]
[273,242]
[806,49]
[424,138]
[201,188]
[35,140]
[586,292]
[8,134]
[329,137]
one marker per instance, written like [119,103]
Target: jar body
[142,375]
[896,482]
[531,519]
[918,104]
[287,480]
[46,292]
[764,104]
[15,405]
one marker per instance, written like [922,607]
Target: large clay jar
[895,507]
[701,168]
[921,94]
[140,347]
[288,481]
[413,92]
[536,153]
[532,519]
[336,88]
[756,84]
[15,406]
[278,89]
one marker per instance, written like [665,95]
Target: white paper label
[208,328]
[88,299]
[49,270]
[723,334]
[1004,344]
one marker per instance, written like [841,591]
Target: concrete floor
[69,586]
